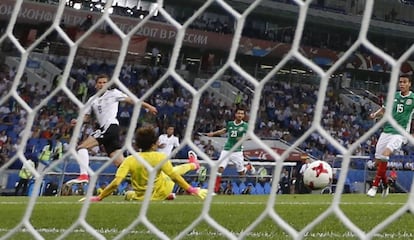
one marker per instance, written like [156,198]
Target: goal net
[31,107]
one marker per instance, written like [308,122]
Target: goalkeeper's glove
[92,199]
[198,192]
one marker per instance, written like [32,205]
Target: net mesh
[240,19]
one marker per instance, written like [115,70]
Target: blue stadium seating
[259,189]
[3,127]
[242,187]
[267,188]
[236,189]
[12,179]
[204,185]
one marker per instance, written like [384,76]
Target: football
[318,175]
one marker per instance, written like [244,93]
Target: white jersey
[303,168]
[105,107]
[170,143]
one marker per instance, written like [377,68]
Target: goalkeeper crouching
[166,177]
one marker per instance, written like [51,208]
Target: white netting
[240,19]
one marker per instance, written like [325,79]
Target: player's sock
[84,157]
[83,170]
[384,173]
[376,181]
[192,158]
[218,183]
[381,173]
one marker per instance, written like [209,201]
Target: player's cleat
[171,196]
[385,191]
[372,191]
[192,158]
[83,178]
[250,168]
[95,199]
[92,199]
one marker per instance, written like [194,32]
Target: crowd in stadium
[281,116]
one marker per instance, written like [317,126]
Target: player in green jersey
[235,130]
[390,139]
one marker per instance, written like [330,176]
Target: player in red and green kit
[166,176]
[235,129]
[390,139]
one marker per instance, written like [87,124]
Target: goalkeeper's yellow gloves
[198,192]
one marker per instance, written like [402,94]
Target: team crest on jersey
[241,129]
[409,102]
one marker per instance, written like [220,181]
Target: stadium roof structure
[322,16]
[333,19]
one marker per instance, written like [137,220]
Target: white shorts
[236,158]
[390,141]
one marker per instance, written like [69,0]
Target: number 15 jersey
[402,112]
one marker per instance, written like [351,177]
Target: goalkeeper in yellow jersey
[166,175]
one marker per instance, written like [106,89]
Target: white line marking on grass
[258,235]
[199,202]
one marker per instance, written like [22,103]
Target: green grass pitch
[53,215]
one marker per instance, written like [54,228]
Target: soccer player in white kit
[167,141]
[105,108]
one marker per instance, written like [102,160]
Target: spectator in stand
[87,23]
[124,116]
[3,137]
[284,182]
[82,91]
[154,56]
[59,148]
[238,99]
[408,166]
[392,179]
[9,148]
[393,174]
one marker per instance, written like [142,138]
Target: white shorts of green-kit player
[236,158]
[390,141]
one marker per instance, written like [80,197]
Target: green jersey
[402,112]
[234,133]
